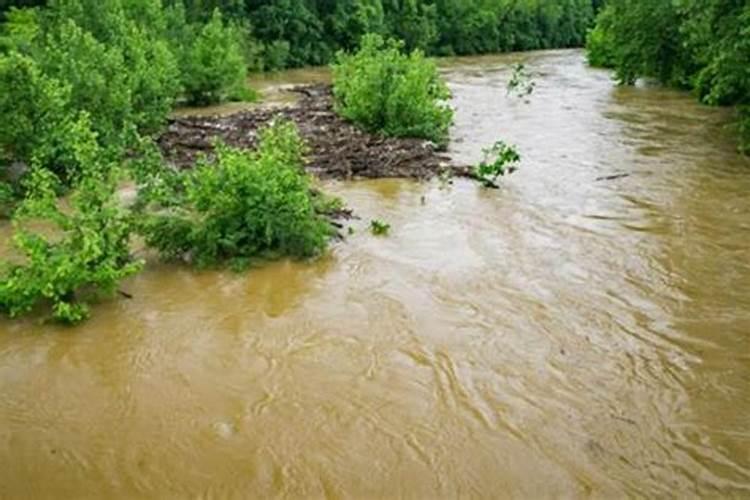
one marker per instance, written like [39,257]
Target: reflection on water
[561,336]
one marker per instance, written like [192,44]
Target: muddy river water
[565,335]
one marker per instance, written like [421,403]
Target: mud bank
[338,149]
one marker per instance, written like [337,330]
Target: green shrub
[379,227]
[126,79]
[70,252]
[500,159]
[153,78]
[35,111]
[600,42]
[385,90]
[276,55]
[244,204]
[214,66]
[96,76]
[7,198]
[19,30]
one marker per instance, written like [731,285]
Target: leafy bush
[214,66]
[383,89]
[244,204]
[498,160]
[19,29]
[69,253]
[34,109]
[600,43]
[116,58]
[7,198]
[379,227]
[96,76]
[56,69]
[276,55]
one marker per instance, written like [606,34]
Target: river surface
[563,336]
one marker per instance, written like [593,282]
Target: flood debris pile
[337,148]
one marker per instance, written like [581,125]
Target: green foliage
[520,82]
[276,55]
[500,159]
[313,30]
[7,198]
[34,109]
[96,76]
[352,19]
[600,42]
[379,227]
[327,205]
[19,30]
[70,251]
[302,32]
[294,23]
[702,45]
[214,66]
[383,89]
[244,204]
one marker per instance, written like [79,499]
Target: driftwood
[338,149]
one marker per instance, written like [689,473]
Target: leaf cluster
[500,159]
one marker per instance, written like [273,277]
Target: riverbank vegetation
[68,252]
[288,33]
[87,87]
[699,45]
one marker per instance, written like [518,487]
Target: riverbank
[338,149]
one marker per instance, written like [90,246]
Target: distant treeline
[698,45]
[287,33]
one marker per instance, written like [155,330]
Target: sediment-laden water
[570,334]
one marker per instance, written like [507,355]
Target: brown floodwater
[561,336]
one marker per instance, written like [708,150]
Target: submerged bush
[69,252]
[244,204]
[500,159]
[385,90]
[520,83]
[379,227]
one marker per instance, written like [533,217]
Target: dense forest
[698,45]
[284,33]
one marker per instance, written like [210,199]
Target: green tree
[80,251]
[214,66]
[35,110]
